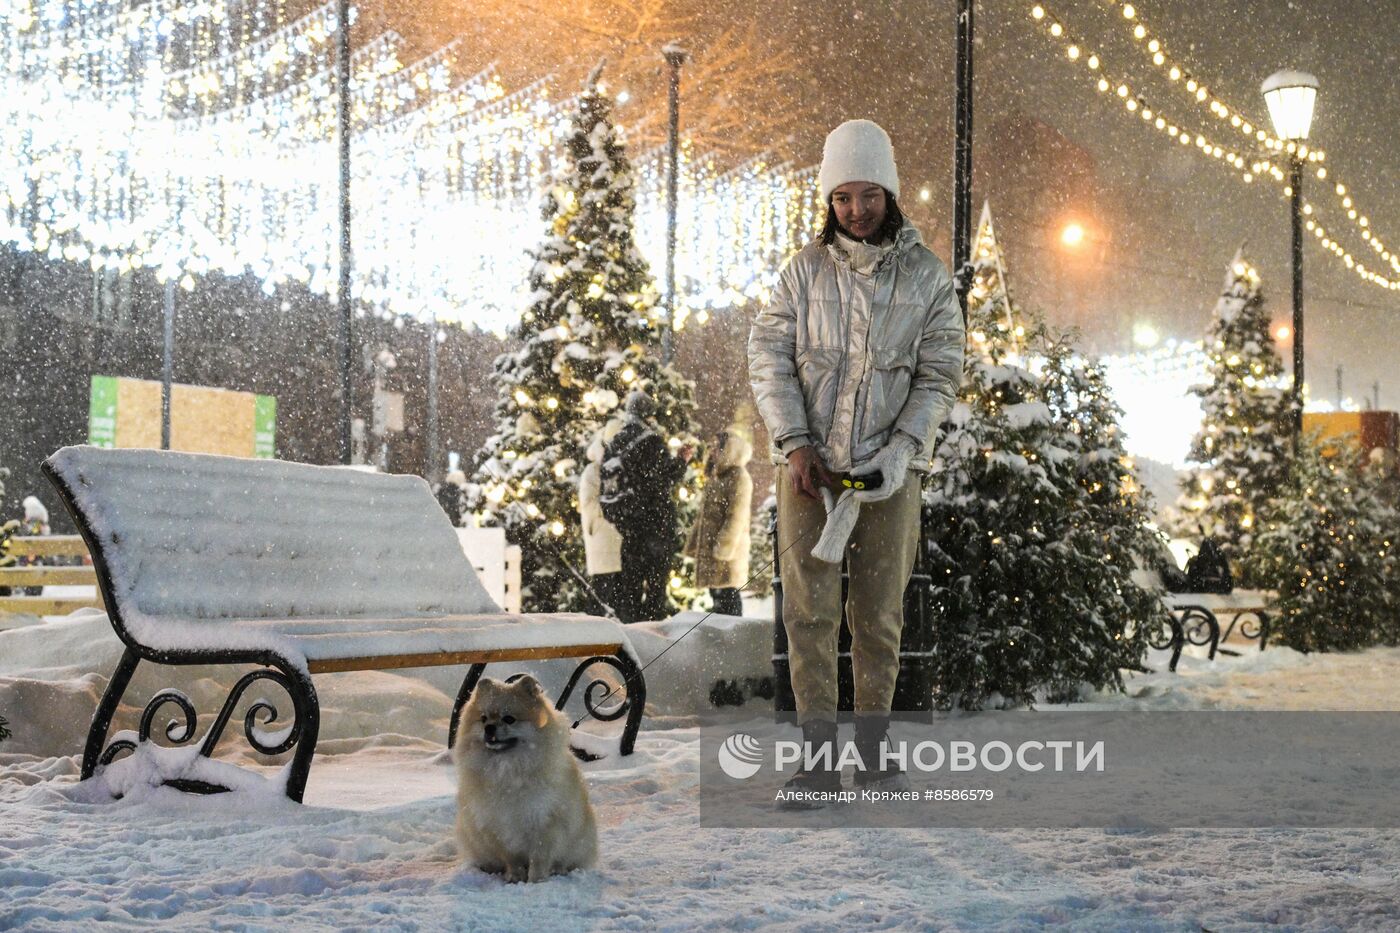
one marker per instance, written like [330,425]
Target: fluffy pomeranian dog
[522,805]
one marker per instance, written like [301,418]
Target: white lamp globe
[1290,96]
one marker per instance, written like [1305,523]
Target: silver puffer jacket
[842,359]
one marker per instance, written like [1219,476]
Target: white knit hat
[858,150]
[34,510]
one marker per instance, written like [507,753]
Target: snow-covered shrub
[1034,523]
[1327,545]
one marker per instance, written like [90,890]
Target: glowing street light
[1291,96]
[1072,235]
[1145,335]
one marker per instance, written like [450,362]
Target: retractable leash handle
[627,679]
[861,481]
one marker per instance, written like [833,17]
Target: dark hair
[894,219]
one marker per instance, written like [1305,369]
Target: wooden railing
[41,575]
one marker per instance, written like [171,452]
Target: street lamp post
[347,327]
[675,57]
[1290,96]
[431,472]
[167,362]
[962,156]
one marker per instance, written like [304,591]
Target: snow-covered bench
[1194,618]
[301,570]
[1200,616]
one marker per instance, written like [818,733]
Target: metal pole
[675,57]
[1297,185]
[167,368]
[347,327]
[431,474]
[962,155]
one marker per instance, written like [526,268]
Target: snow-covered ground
[373,846]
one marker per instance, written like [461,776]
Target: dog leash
[613,615]
[608,610]
[627,679]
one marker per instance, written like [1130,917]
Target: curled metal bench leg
[307,714]
[1194,632]
[106,709]
[1178,641]
[636,702]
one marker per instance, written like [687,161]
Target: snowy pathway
[373,848]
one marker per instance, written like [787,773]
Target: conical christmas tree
[990,290]
[591,335]
[1033,527]
[1244,442]
[1326,542]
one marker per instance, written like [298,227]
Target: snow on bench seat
[208,552]
[1235,601]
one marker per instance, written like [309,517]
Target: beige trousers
[880,558]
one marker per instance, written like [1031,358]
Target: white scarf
[864,257]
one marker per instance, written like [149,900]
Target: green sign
[264,426]
[102,412]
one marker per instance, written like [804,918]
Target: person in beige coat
[602,544]
[719,539]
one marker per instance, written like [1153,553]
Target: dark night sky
[1171,219]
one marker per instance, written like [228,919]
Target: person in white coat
[602,544]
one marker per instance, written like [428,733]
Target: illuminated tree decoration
[1327,545]
[1243,446]
[590,336]
[1033,526]
[197,136]
[991,288]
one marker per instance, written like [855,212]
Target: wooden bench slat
[48,546]
[438,659]
[48,576]
[48,605]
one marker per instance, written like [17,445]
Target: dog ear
[526,683]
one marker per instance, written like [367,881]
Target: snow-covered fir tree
[1244,444]
[591,334]
[1034,525]
[1109,526]
[1326,543]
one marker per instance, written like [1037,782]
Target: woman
[719,539]
[854,364]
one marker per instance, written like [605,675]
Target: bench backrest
[195,537]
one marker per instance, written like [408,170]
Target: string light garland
[1135,103]
[1178,74]
[198,137]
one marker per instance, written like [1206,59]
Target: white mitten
[841,515]
[892,463]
